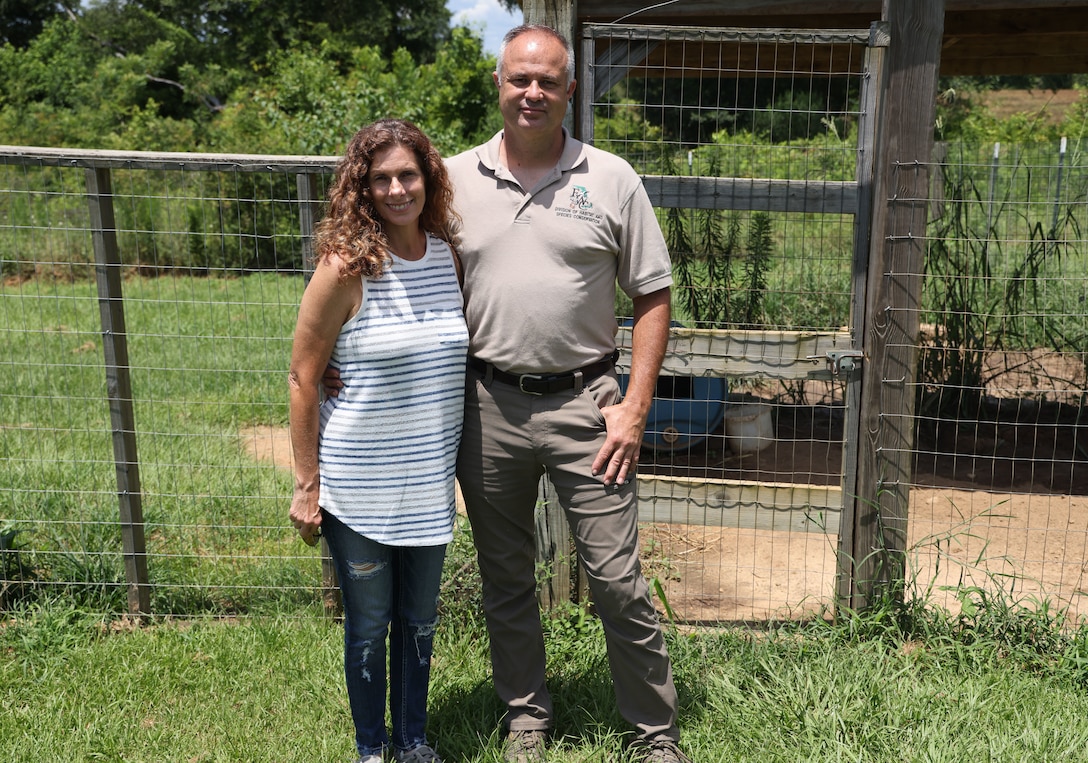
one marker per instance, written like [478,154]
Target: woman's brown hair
[351,229]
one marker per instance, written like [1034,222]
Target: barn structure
[911,43]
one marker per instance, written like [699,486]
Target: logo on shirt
[579,207]
[579,198]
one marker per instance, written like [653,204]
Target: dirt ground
[1046,104]
[1002,508]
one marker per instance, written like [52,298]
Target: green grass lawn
[241,664]
[77,688]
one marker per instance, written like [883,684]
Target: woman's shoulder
[332,263]
[437,242]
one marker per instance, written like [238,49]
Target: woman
[374,467]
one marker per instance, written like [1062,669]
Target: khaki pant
[510,438]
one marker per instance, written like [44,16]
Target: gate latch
[839,361]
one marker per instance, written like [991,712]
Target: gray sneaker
[659,751]
[525,746]
[421,754]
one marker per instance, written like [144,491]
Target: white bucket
[748,427]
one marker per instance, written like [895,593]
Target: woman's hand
[306,515]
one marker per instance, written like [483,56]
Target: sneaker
[421,754]
[660,751]
[370,759]
[525,746]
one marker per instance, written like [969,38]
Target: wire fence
[147,303]
[147,309]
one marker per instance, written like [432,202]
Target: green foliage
[274,77]
[990,255]
[961,118]
[707,255]
[758,105]
[621,128]
[307,107]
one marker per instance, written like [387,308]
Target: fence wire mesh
[751,144]
[211,266]
[745,449]
[999,496]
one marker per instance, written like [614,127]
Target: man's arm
[626,422]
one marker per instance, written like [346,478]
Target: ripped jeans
[386,590]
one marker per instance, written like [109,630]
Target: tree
[252,32]
[169,75]
[22,20]
[306,106]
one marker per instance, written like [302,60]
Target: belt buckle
[531,377]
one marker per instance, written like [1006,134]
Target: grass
[896,684]
[241,664]
[208,359]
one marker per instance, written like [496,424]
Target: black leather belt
[544,384]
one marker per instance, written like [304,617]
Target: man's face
[534,90]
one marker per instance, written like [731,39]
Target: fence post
[552,548]
[308,203]
[878,535]
[869,126]
[107,259]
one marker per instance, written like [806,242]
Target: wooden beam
[111,304]
[1063,64]
[752,194]
[1014,22]
[778,506]
[639,12]
[744,354]
[979,36]
[876,505]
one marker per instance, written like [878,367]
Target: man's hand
[626,421]
[618,457]
[330,381]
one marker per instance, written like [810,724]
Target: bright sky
[487,15]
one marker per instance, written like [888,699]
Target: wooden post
[111,307]
[869,131]
[901,186]
[561,15]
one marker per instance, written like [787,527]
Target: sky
[487,15]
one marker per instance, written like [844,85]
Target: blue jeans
[387,590]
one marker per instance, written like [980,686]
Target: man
[550,225]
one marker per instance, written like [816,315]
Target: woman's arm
[327,304]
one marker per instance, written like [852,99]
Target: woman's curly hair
[351,228]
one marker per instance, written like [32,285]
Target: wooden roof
[980,36]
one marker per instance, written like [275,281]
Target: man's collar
[572,156]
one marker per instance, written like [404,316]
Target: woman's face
[397,189]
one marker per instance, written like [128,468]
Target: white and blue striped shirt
[389,441]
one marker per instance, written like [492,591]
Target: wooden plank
[163,160]
[779,506]
[700,34]
[752,194]
[877,502]
[678,58]
[612,10]
[869,124]
[748,354]
[111,305]
[1013,24]
[1068,63]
